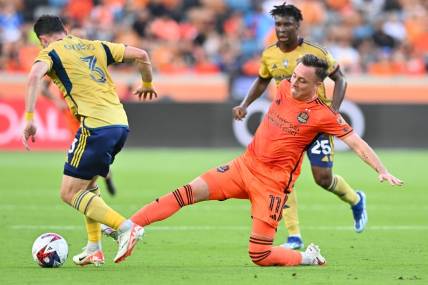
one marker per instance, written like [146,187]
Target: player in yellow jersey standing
[79,68]
[278,61]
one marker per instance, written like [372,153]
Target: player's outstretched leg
[165,206]
[291,220]
[263,253]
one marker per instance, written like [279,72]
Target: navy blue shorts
[320,152]
[93,150]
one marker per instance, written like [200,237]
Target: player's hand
[390,178]
[145,92]
[29,132]
[239,112]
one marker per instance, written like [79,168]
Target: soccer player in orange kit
[264,172]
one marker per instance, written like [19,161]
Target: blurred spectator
[204,36]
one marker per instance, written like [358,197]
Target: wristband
[29,116]
[147,84]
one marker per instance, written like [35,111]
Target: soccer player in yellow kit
[278,62]
[79,68]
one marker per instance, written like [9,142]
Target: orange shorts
[236,180]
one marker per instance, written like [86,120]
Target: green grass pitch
[207,243]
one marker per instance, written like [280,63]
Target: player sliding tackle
[262,174]
[79,68]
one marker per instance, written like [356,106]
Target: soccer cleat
[293,242]
[127,241]
[360,213]
[313,255]
[111,189]
[85,258]
[109,232]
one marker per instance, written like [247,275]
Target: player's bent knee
[66,197]
[200,189]
[323,179]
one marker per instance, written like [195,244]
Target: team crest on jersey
[274,66]
[278,101]
[223,168]
[285,63]
[302,117]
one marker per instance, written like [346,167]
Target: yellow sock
[290,215]
[343,190]
[95,208]
[93,228]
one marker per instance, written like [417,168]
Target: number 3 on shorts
[322,146]
[73,146]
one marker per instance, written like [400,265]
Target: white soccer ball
[50,250]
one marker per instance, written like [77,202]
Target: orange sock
[164,206]
[264,254]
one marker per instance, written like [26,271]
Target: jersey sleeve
[263,69]
[114,52]
[334,124]
[44,57]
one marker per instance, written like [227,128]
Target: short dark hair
[287,10]
[48,24]
[321,66]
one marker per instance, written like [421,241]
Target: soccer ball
[50,250]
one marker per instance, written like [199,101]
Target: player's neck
[289,45]
[306,99]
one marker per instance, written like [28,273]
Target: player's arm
[46,92]
[141,59]
[38,70]
[256,90]
[339,88]
[367,154]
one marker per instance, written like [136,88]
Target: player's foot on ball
[127,241]
[293,242]
[312,255]
[111,189]
[85,258]
[360,213]
[109,232]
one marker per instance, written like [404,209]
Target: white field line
[227,228]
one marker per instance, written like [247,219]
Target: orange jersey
[285,132]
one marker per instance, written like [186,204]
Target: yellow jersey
[79,68]
[280,65]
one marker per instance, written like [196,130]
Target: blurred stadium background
[206,53]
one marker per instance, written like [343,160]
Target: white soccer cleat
[127,241]
[313,255]
[85,258]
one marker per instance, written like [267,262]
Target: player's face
[304,82]
[286,28]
